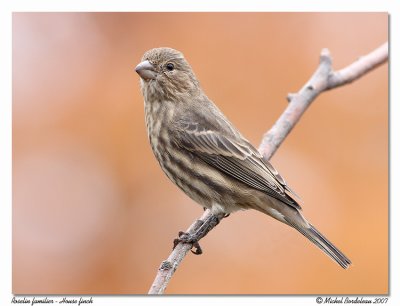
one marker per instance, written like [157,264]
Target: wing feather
[237,158]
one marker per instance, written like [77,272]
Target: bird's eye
[170,66]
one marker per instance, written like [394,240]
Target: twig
[323,79]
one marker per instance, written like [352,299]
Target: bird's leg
[201,229]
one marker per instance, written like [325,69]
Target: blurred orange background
[94,214]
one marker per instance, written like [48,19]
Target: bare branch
[169,266]
[323,79]
[360,67]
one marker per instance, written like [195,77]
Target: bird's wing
[237,158]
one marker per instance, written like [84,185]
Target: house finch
[206,156]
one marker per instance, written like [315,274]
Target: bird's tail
[324,244]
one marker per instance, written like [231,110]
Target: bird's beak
[146,71]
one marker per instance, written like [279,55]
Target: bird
[206,156]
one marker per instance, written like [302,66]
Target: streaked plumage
[206,156]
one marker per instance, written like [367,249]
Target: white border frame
[6,10]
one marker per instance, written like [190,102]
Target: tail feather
[324,244]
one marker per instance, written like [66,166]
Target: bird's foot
[188,238]
[201,229]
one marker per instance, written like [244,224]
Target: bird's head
[166,73]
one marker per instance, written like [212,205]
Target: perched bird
[206,156]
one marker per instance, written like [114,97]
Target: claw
[187,238]
[202,228]
[198,250]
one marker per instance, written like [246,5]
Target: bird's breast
[201,182]
[158,117]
